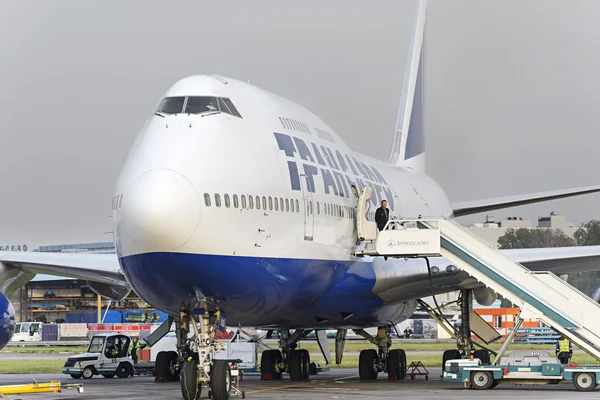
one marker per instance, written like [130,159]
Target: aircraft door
[309,207]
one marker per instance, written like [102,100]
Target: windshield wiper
[159,114]
[210,113]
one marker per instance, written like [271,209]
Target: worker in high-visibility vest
[134,347]
[564,349]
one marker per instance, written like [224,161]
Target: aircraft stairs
[540,295]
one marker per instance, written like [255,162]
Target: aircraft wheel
[396,364]
[305,357]
[367,360]
[295,365]
[220,380]
[268,361]
[190,387]
[483,355]
[450,355]
[584,381]
[481,380]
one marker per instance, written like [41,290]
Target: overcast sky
[512,92]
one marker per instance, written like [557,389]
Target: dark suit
[382,215]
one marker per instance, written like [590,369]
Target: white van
[28,332]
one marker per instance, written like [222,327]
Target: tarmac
[335,384]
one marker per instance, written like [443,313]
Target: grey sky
[511,107]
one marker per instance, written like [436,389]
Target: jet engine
[7,321]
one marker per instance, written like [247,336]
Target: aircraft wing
[477,206]
[101,268]
[560,260]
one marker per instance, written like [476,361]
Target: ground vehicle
[28,332]
[520,367]
[107,355]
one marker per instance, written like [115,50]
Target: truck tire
[220,380]
[268,360]
[190,387]
[76,376]
[366,362]
[584,381]
[87,373]
[396,364]
[124,370]
[108,376]
[481,380]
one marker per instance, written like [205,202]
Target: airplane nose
[160,212]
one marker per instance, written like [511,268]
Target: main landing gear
[295,362]
[371,361]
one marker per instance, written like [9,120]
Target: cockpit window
[197,105]
[232,108]
[171,105]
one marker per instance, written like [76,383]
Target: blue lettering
[327,156]
[389,197]
[369,172]
[332,158]
[341,160]
[360,168]
[318,154]
[303,150]
[285,143]
[329,181]
[294,177]
[379,176]
[341,184]
[310,172]
[351,166]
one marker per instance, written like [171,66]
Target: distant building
[491,231]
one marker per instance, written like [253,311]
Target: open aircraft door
[309,207]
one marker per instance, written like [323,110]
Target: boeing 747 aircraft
[238,206]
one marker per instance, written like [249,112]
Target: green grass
[44,349]
[31,366]
[417,346]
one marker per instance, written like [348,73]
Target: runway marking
[277,388]
[345,377]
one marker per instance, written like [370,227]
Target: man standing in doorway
[382,215]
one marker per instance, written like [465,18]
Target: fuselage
[254,206]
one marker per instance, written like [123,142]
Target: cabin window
[257,202]
[227,202]
[271,203]
[171,105]
[276,204]
[264,203]
[251,201]
[236,203]
[207,199]
[217,200]
[243,197]
[281,204]
[287,205]
[318,208]
[311,207]
[292,205]
[297,206]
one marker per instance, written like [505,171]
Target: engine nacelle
[7,321]
[485,296]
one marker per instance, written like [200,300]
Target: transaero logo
[396,243]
